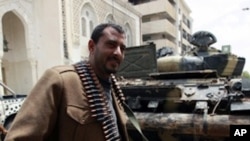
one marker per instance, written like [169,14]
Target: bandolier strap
[99,104]
[97,100]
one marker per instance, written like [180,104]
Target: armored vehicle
[197,96]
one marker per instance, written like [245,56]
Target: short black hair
[98,31]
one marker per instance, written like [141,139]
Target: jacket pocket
[79,114]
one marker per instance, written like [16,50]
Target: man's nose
[118,50]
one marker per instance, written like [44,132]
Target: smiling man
[79,102]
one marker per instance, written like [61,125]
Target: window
[88,20]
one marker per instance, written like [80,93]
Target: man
[78,102]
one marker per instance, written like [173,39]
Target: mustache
[115,58]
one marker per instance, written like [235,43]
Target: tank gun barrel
[190,124]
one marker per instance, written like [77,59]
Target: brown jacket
[57,110]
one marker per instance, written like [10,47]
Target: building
[38,34]
[167,23]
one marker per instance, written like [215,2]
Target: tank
[197,96]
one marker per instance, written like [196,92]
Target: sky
[227,20]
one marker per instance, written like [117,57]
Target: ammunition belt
[97,99]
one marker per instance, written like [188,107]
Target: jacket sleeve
[37,116]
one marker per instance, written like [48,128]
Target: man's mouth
[114,60]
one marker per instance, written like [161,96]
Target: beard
[112,65]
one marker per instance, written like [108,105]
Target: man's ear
[91,46]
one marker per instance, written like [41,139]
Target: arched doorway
[16,69]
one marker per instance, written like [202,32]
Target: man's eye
[111,44]
[122,48]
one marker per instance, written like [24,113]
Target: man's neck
[100,75]
[106,83]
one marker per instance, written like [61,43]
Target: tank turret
[203,57]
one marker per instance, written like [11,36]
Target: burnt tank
[196,96]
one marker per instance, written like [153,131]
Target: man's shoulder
[63,68]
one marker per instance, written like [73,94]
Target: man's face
[108,53]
